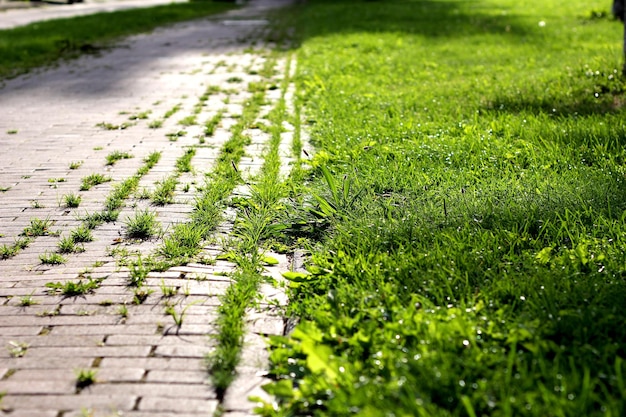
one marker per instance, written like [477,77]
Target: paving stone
[105,330]
[49,340]
[92,351]
[245,386]
[44,375]
[20,330]
[177,377]
[48,363]
[154,340]
[19,387]
[153,414]
[176,405]
[28,412]
[266,325]
[189,351]
[63,402]
[109,375]
[178,364]
[150,389]
[255,352]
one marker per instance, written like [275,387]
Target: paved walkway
[53,133]
[14,14]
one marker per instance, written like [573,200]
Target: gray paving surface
[146,365]
[18,13]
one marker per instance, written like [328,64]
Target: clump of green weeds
[142,225]
[85,378]
[9,251]
[183,242]
[183,164]
[72,200]
[67,245]
[83,286]
[174,136]
[48,258]
[112,126]
[164,192]
[140,295]
[92,180]
[17,349]
[188,121]
[82,234]
[38,227]
[151,160]
[28,300]
[115,156]
[140,116]
[139,271]
[156,124]
[172,111]
[211,124]
[167,291]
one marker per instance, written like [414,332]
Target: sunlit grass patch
[465,212]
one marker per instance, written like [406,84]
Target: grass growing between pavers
[465,214]
[254,225]
[42,43]
[114,201]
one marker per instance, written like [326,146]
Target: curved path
[56,128]
[16,14]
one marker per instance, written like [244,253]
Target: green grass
[41,43]
[85,378]
[9,251]
[211,124]
[142,225]
[74,288]
[82,234]
[183,164]
[172,111]
[67,245]
[188,121]
[92,180]
[155,124]
[164,192]
[465,212]
[52,258]
[138,272]
[253,225]
[28,300]
[72,200]
[115,156]
[183,242]
[38,227]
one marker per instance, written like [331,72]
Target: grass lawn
[465,212]
[41,43]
